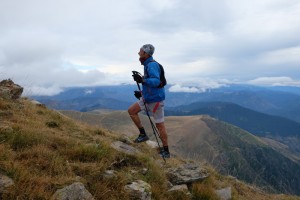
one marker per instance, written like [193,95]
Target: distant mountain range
[280,101]
[257,123]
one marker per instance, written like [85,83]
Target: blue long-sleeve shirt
[151,92]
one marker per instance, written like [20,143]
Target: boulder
[5,182]
[108,174]
[181,189]
[139,190]
[10,90]
[186,174]
[76,191]
[224,194]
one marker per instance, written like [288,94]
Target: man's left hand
[137,94]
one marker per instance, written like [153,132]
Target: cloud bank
[49,45]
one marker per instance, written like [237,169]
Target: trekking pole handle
[138,73]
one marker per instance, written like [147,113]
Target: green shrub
[52,124]
[19,140]
[86,153]
[203,192]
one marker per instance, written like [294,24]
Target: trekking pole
[155,131]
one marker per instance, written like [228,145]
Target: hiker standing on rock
[151,98]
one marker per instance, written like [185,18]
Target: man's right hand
[138,78]
[137,94]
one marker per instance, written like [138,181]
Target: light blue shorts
[156,109]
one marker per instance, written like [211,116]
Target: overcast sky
[47,45]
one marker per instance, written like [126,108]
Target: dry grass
[42,151]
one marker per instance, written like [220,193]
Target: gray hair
[148,48]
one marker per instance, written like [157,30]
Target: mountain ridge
[280,101]
[273,127]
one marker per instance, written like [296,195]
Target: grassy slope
[228,148]
[42,151]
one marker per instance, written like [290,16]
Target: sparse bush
[202,191]
[52,124]
[4,153]
[4,105]
[19,140]
[86,153]
[40,112]
[40,159]
[100,132]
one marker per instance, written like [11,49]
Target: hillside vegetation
[42,151]
[229,149]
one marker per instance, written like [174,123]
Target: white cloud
[179,88]
[275,81]
[30,90]
[198,86]
[54,44]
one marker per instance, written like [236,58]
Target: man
[152,97]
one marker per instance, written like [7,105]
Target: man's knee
[134,109]
[129,111]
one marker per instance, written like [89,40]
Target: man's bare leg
[163,133]
[133,111]
[164,138]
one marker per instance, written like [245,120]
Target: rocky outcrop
[186,174]
[139,190]
[76,191]
[10,90]
[180,177]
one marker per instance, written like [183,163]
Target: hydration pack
[163,80]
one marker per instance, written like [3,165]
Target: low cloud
[275,81]
[199,86]
[179,88]
[216,39]
[41,91]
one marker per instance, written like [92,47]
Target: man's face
[142,54]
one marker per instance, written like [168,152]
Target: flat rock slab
[186,174]
[125,148]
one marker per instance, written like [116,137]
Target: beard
[142,60]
